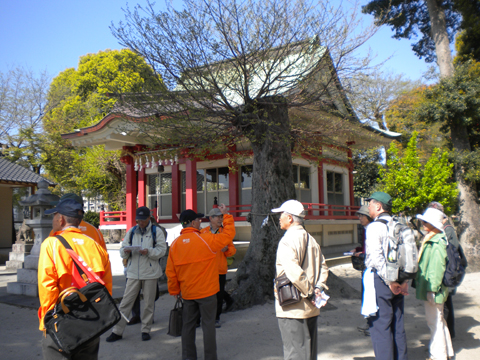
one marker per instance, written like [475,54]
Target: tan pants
[149,288]
[440,342]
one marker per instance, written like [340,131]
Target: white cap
[433,217]
[293,207]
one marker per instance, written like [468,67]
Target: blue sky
[51,35]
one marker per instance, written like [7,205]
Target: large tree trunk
[440,37]
[469,229]
[469,213]
[272,184]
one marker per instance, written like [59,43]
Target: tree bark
[272,184]
[469,211]
[440,37]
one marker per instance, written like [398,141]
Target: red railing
[327,211]
[113,218]
[314,211]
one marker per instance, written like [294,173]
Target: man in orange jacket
[55,268]
[85,227]
[215,217]
[192,273]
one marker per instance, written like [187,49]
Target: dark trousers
[449,315]
[206,309]
[88,351]
[299,337]
[221,294]
[386,327]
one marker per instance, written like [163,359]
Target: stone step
[19,288]
[31,262]
[19,248]
[28,276]
[18,256]
[14,264]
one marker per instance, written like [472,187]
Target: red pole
[131,191]
[141,188]
[191,183]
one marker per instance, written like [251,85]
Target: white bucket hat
[293,207]
[433,217]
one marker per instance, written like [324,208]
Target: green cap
[72,196]
[381,196]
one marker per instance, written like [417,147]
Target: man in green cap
[85,227]
[386,322]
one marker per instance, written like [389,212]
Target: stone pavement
[252,333]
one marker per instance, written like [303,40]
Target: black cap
[67,207]
[142,213]
[189,215]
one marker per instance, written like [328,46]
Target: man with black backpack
[143,270]
[386,318]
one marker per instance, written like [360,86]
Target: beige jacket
[314,273]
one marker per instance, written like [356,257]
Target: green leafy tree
[434,21]
[467,42]
[93,218]
[438,21]
[401,117]
[366,171]
[79,98]
[411,185]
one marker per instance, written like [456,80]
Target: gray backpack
[401,253]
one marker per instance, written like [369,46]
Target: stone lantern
[41,226]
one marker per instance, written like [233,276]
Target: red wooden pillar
[131,190]
[141,188]
[350,177]
[191,184]
[176,191]
[350,173]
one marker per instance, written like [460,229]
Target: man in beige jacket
[298,322]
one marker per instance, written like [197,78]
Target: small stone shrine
[41,225]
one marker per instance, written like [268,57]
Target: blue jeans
[386,327]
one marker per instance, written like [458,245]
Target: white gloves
[431,297]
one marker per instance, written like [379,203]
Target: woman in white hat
[431,267]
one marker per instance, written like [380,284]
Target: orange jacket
[221,255]
[55,266]
[91,231]
[192,268]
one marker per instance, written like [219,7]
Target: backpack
[154,238]
[154,235]
[455,267]
[401,253]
